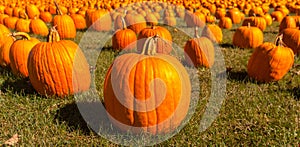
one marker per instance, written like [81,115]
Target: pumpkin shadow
[226,45]
[82,116]
[17,85]
[241,76]
[296,93]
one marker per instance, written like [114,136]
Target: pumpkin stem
[150,45]
[196,32]
[279,41]
[123,23]
[249,25]
[58,11]
[53,35]
[22,34]
[26,16]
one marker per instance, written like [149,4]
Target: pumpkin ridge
[70,57]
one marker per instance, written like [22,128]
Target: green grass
[252,113]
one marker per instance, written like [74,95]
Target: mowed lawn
[252,113]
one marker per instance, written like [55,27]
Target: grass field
[252,113]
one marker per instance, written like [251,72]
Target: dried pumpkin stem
[123,23]
[53,35]
[249,25]
[196,32]
[57,8]
[150,46]
[22,34]
[278,40]
[26,16]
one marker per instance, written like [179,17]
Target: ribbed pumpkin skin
[37,26]
[291,39]
[10,22]
[225,22]
[4,51]
[135,22]
[270,62]
[138,75]
[164,42]
[199,52]
[213,32]
[58,68]
[65,26]
[32,11]
[79,20]
[4,31]
[259,22]
[46,17]
[22,25]
[287,22]
[124,39]
[18,56]
[247,37]
[101,20]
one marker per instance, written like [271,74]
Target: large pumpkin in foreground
[147,92]
[270,62]
[58,67]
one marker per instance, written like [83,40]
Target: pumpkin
[135,22]
[10,22]
[22,25]
[247,37]
[64,24]
[287,22]
[37,26]
[256,21]
[193,19]
[58,67]
[8,40]
[2,17]
[270,62]
[268,19]
[164,44]
[225,23]
[19,52]
[170,21]
[199,51]
[4,31]
[213,32]
[235,15]
[79,21]
[147,92]
[99,20]
[124,38]
[277,16]
[291,39]
[46,17]
[32,11]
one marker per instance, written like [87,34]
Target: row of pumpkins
[58,66]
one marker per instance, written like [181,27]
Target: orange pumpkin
[64,24]
[270,62]
[164,44]
[247,37]
[19,52]
[8,40]
[199,51]
[58,67]
[156,84]
[124,38]
[37,26]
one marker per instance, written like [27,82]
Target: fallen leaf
[13,140]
